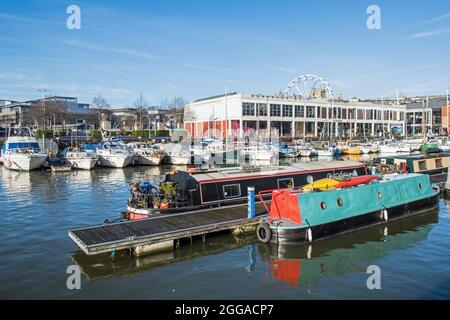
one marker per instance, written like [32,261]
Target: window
[422,165]
[287,111]
[438,163]
[299,111]
[310,112]
[360,114]
[262,109]
[285,183]
[323,205]
[232,190]
[339,202]
[275,110]
[248,109]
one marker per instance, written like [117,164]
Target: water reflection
[104,266]
[293,265]
[298,265]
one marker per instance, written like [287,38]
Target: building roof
[215,97]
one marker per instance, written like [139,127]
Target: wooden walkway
[131,234]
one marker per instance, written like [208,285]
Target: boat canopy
[23,145]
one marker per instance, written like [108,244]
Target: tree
[177,108]
[47,112]
[140,103]
[100,103]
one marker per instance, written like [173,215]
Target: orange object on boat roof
[355,181]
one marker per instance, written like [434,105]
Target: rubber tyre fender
[264,233]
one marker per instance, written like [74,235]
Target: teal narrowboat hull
[329,213]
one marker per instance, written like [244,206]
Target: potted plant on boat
[167,190]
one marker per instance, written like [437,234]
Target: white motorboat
[259,155]
[179,154]
[113,154]
[21,151]
[145,154]
[394,147]
[368,148]
[80,159]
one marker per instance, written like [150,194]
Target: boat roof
[417,156]
[238,172]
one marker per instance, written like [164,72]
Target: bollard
[251,202]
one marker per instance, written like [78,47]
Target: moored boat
[113,154]
[434,164]
[299,216]
[183,191]
[80,159]
[145,154]
[351,150]
[21,151]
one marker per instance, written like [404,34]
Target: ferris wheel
[309,86]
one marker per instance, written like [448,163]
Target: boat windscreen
[23,145]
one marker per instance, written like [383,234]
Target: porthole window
[339,202]
[420,186]
[380,195]
[323,205]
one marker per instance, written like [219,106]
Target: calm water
[38,208]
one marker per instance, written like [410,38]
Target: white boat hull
[82,164]
[147,160]
[325,153]
[23,162]
[114,161]
[305,153]
[184,160]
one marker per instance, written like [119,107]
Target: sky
[193,48]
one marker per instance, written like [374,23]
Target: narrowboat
[433,164]
[303,216]
[183,191]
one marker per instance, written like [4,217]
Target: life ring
[264,233]
[309,236]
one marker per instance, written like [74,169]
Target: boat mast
[431,122]
[382,110]
[446,107]
[226,114]
[423,122]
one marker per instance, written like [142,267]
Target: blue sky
[191,48]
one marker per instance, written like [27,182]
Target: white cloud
[429,33]
[435,19]
[12,17]
[288,70]
[95,47]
